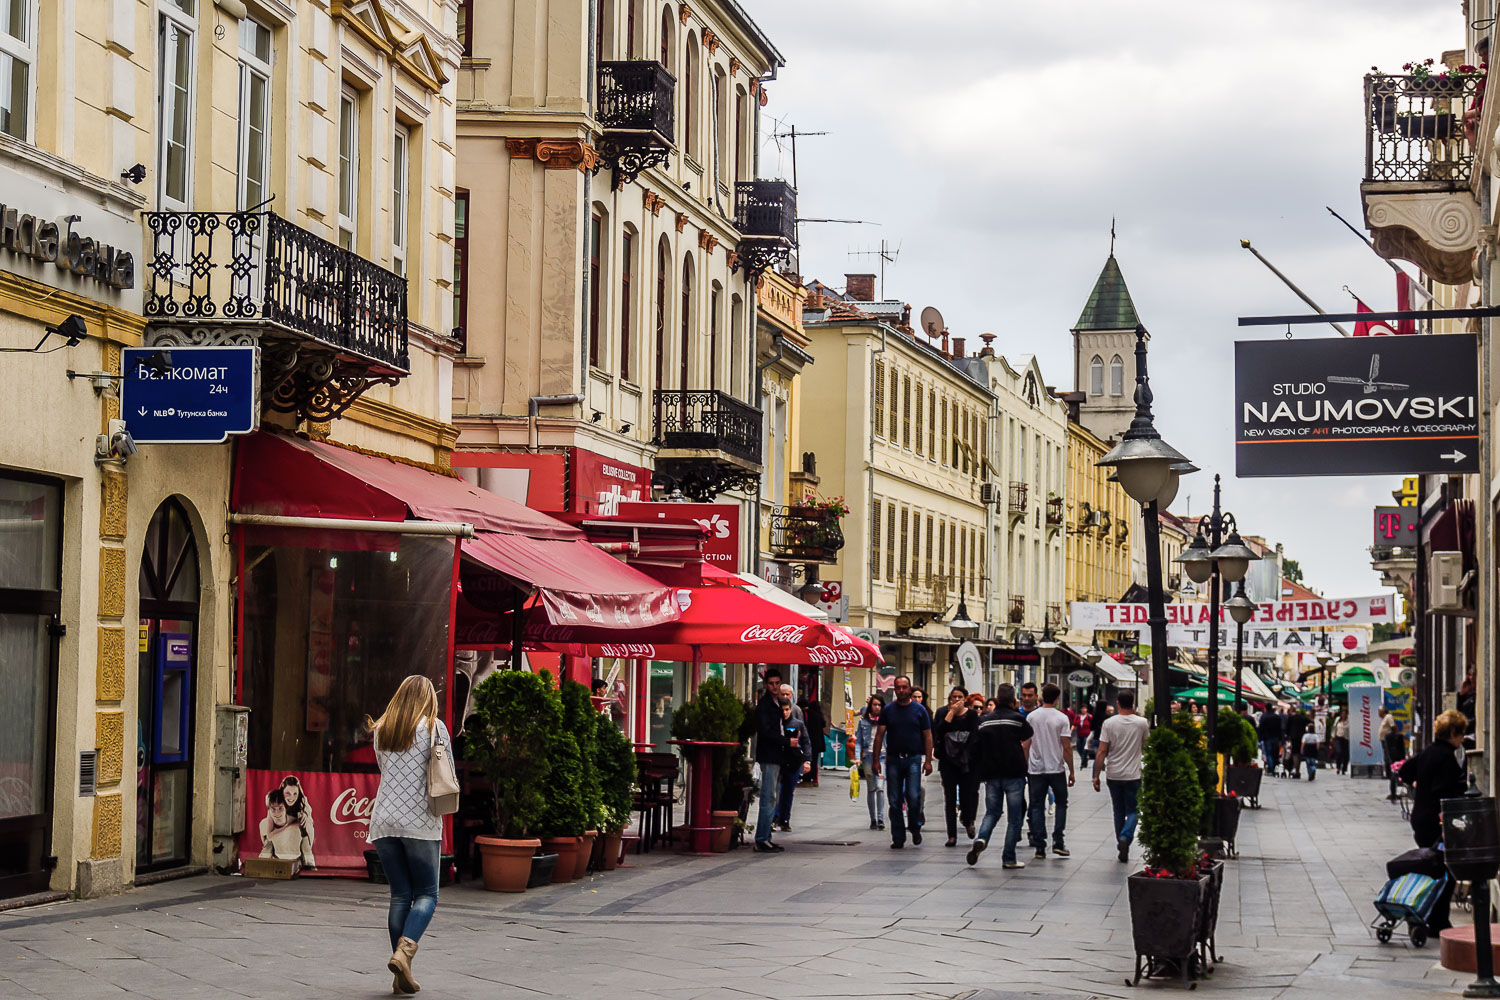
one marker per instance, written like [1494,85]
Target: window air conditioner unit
[1445,589]
[989,493]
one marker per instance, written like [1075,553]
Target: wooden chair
[656,774]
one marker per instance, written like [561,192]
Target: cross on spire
[1111,236]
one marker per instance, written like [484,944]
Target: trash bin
[1471,837]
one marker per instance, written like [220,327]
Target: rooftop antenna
[792,133]
[886,255]
[1111,235]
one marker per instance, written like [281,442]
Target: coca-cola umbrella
[718,624]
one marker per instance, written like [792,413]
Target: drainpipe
[536,402]
[870,486]
[760,370]
[592,92]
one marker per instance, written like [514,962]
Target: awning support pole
[448,529]
[515,630]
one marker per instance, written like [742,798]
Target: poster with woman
[287,828]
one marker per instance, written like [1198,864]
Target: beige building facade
[173,172]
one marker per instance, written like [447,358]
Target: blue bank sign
[188,395]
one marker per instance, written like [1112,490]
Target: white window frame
[23,51]
[1096,376]
[348,226]
[1116,376]
[251,65]
[400,198]
[172,16]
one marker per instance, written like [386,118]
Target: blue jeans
[1009,793]
[1124,795]
[1272,751]
[903,786]
[411,868]
[874,790]
[784,797]
[770,775]
[1311,760]
[1040,785]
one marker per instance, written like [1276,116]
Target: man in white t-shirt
[1122,738]
[1051,749]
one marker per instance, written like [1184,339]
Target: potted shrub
[1166,898]
[507,736]
[1195,741]
[582,720]
[614,759]
[715,715]
[564,814]
[1238,742]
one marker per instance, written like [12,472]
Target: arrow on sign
[1455,455]
[143,411]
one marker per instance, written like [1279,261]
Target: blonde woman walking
[403,828]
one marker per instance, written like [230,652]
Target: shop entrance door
[167,684]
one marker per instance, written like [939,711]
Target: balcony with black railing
[1419,165]
[805,535]
[765,213]
[707,442]
[329,322]
[634,109]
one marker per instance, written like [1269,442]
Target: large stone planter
[506,864]
[1166,921]
[1227,820]
[1244,781]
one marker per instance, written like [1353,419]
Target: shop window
[331,627]
[176,32]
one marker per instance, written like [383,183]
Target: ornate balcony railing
[1017,610]
[1414,128]
[1055,511]
[810,537]
[634,109]
[766,210]
[256,268]
[926,595]
[1018,498]
[707,420]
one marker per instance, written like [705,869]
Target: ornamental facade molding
[1436,230]
[555,154]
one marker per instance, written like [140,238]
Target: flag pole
[1288,282]
[1390,263]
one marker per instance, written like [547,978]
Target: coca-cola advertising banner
[319,817]
[720,520]
[1279,614]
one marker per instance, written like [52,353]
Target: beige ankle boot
[400,964]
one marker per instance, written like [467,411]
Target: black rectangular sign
[1356,406]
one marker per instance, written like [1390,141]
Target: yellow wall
[1098,568]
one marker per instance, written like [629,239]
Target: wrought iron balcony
[634,110]
[1419,164]
[810,536]
[1018,498]
[1054,512]
[1017,610]
[329,322]
[765,213]
[920,599]
[708,442]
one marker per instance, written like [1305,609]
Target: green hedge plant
[581,719]
[1205,769]
[1171,805]
[509,735]
[713,715]
[614,759]
[1235,737]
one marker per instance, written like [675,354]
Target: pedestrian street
[839,914]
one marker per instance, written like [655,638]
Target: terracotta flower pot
[585,852]
[609,858]
[566,849]
[724,820]
[506,863]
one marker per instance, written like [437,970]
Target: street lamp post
[1213,559]
[1241,609]
[1149,468]
[1045,647]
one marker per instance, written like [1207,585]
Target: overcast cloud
[993,142]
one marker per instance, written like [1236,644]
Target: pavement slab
[838,915]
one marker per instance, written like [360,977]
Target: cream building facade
[149,151]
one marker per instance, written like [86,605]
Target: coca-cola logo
[826,655]
[481,633]
[779,633]
[629,651]
[349,808]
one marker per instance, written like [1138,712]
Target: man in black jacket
[770,751]
[1271,734]
[1296,725]
[1002,742]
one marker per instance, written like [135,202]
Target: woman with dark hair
[299,810]
[952,729]
[864,749]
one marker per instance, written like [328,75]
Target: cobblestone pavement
[837,915]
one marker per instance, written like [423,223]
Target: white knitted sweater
[401,808]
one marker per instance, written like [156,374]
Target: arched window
[666,38]
[690,96]
[663,265]
[1116,376]
[714,296]
[627,292]
[687,320]
[721,138]
[1096,376]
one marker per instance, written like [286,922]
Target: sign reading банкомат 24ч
[1356,406]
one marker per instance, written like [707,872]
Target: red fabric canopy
[287,476]
[722,624]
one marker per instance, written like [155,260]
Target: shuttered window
[928,549]
[894,386]
[879,397]
[906,411]
[875,536]
[919,418]
[942,544]
[890,542]
[932,425]
[904,537]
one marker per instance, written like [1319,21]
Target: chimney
[958,347]
[860,287]
[988,350]
[906,316]
[945,343]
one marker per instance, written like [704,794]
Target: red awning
[720,624]
[287,476]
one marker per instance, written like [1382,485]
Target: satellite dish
[932,321]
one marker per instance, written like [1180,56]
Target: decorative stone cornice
[734,65]
[1437,230]
[654,202]
[710,41]
[707,240]
[684,13]
[555,154]
[681,221]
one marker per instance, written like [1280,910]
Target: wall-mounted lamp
[135,174]
[625,427]
[598,416]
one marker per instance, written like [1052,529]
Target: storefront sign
[598,485]
[1267,640]
[188,395]
[1364,724]
[720,520]
[1081,678]
[1357,406]
[1281,614]
[1395,526]
[1014,657]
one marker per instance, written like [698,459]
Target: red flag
[1403,302]
[1369,327]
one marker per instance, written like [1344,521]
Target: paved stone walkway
[837,915]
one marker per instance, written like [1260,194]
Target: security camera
[115,444]
[74,329]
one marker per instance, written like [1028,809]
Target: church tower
[1104,355]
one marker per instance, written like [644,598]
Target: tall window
[690,98]
[1096,376]
[906,411]
[630,6]
[954,439]
[713,338]
[1116,376]
[17,59]
[895,387]
[932,423]
[721,144]
[596,225]
[348,167]
[875,537]
[666,38]
[400,197]
[174,102]
[627,257]
[878,394]
[739,132]
[927,551]
[255,112]
[465,30]
[890,542]
[919,418]
[942,544]
[663,262]
[461,266]
[902,564]
[687,322]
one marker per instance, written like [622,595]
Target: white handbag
[442,780]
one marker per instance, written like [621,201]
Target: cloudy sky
[993,142]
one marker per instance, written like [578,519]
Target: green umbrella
[1354,675]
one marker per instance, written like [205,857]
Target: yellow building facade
[1099,519]
[157,159]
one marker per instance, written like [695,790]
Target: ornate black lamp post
[1241,609]
[1145,464]
[1212,559]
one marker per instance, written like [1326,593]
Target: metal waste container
[1471,837]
